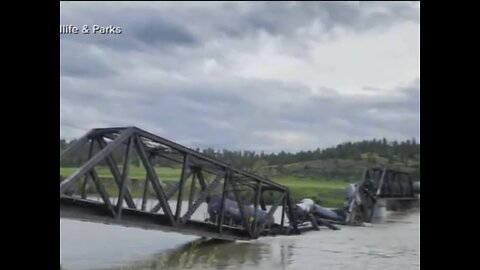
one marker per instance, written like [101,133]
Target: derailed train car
[232,215]
[305,211]
[360,200]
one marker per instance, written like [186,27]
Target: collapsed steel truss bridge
[380,184]
[177,202]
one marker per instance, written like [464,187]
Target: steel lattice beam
[195,164]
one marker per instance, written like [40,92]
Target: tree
[391,160]
[260,166]
[393,151]
[384,141]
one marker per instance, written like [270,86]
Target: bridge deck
[84,210]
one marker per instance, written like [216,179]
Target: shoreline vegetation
[321,175]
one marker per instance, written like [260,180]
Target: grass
[327,193]
[167,174]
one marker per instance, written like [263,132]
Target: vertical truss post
[85,181]
[145,194]
[151,159]
[183,178]
[246,224]
[115,172]
[154,180]
[192,190]
[84,186]
[284,210]
[258,193]
[201,180]
[263,205]
[270,213]
[291,214]
[125,178]
[382,179]
[226,181]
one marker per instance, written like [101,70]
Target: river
[393,243]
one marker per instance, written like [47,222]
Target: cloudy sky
[252,76]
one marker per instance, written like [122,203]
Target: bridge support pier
[380,210]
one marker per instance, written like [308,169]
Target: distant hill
[350,170]
[345,161]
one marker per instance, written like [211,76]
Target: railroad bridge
[379,186]
[213,178]
[178,203]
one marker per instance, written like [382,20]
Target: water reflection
[208,254]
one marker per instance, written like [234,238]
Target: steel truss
[379,183]
[225,181]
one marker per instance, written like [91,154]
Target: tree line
[399,150]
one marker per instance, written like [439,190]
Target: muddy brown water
[393,243]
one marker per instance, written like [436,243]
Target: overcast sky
[251,76]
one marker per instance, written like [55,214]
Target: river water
[393,243]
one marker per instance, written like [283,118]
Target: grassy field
[327,193]
[165,174]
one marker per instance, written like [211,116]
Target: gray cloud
[78,61]
[159,32]
[181,24]
[178,70]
